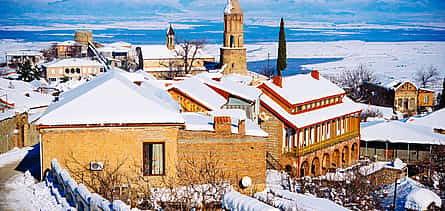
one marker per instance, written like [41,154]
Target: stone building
[162,60]
[73,69]
[16,131]
[233,53]
[19,57]
[83,37]
[411,100]
[141,125]
[68,49]
[312,126]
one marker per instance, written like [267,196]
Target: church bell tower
[233,53]
[170,38]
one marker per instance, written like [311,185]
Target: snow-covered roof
[244,79]
[24,53]
[398,83]
[410,194]
[377,166]
[116,49]
[109,99]
[205,122]
[138,76]
[312,117]
[69,43]
[73,62]
[200,92]
[22,95]
[6,115]
[162,52]
[302,88]
[421,199]
[120,44]
[401,132]
[435,120]
[246,92]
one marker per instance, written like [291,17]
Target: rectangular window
[426,99]
[154,159]
[299,108]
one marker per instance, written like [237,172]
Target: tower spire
[233,7]
[170,38]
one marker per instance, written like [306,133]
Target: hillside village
[95,126]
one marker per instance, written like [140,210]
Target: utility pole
[395,196]
[268,64]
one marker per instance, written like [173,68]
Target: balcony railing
[326,143]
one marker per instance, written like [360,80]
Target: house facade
[150,139]
[73,69]
[68,49]
[312,127]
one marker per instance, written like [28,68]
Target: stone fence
[73,196]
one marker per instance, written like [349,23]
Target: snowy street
[19,169]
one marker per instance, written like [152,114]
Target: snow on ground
[410,194]
[22,190]
[389,60]
[13,155]
[26,194]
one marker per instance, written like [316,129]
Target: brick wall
[274,127]
[240,155]
[386,176]
[26,135]
[108,144]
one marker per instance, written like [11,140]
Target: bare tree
[426,76]
[112,182]
[200,182]
[267,71]
[352,80]
[188,51]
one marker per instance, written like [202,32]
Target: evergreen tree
[28,73]
[282,57]
[442,96]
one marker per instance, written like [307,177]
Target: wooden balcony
[326,143]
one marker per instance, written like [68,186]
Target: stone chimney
[315,74]
[242,127]
[278,80]
[222,125]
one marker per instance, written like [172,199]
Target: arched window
[67,70]
[72,70]
[232,41]
[78,70]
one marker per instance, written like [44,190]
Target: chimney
[278,80]
[315,74]
[222,125]
[242,127]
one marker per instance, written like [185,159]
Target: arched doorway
[345,156]
[336,159]
[325,163]
[315,167]
[354,152]
[304,170]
